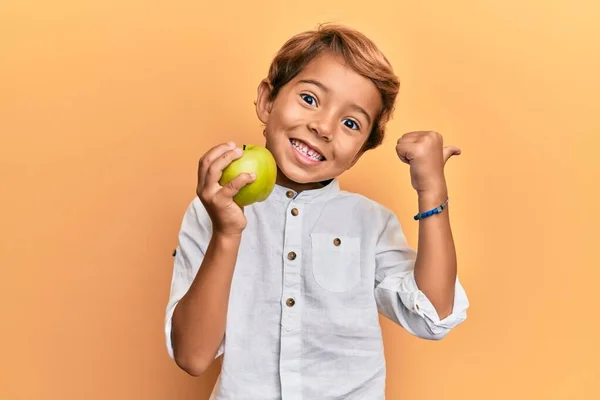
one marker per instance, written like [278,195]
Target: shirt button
[295,211]
[291,255]
[337,242]
[290,302]
[289,194]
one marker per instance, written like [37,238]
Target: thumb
[450,151]
[233,187]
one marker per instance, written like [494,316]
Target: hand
[227,217]
[426,155]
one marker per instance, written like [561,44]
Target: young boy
[289,289]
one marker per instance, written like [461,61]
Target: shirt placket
[291,303]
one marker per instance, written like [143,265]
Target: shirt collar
[281,193]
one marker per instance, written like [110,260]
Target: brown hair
[359,52]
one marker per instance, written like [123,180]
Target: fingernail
[252,175]
[231,144]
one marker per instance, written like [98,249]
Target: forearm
[198,325]
[435,265]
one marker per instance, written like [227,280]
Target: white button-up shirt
[314,270]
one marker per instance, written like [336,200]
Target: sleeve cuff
[417,302]
[168,324]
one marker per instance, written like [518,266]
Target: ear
[263,101]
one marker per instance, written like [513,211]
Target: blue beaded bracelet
[429,213]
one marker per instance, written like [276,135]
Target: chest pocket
[335,261]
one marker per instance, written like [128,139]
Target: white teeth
[307,151]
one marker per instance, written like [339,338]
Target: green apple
[255,159]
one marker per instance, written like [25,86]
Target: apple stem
[244,147]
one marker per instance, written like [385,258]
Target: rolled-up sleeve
[194,235]
[396,292]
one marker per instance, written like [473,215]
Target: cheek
[284,118]
[347,148]
[289,113]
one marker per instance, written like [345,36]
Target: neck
[284,181]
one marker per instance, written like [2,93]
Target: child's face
[319,121]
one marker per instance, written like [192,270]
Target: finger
[404,159]
[408,138]
[233,187]
[207,159]
[404,152]
[450,151]
[215,170]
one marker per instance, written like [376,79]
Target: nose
[323,126]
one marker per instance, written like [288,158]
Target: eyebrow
[326,90]
[316,83]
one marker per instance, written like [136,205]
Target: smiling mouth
[307,151]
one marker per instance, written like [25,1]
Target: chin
[299,175]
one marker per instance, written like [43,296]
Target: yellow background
[105,107]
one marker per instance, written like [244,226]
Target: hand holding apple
[227,217]
[426,155]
